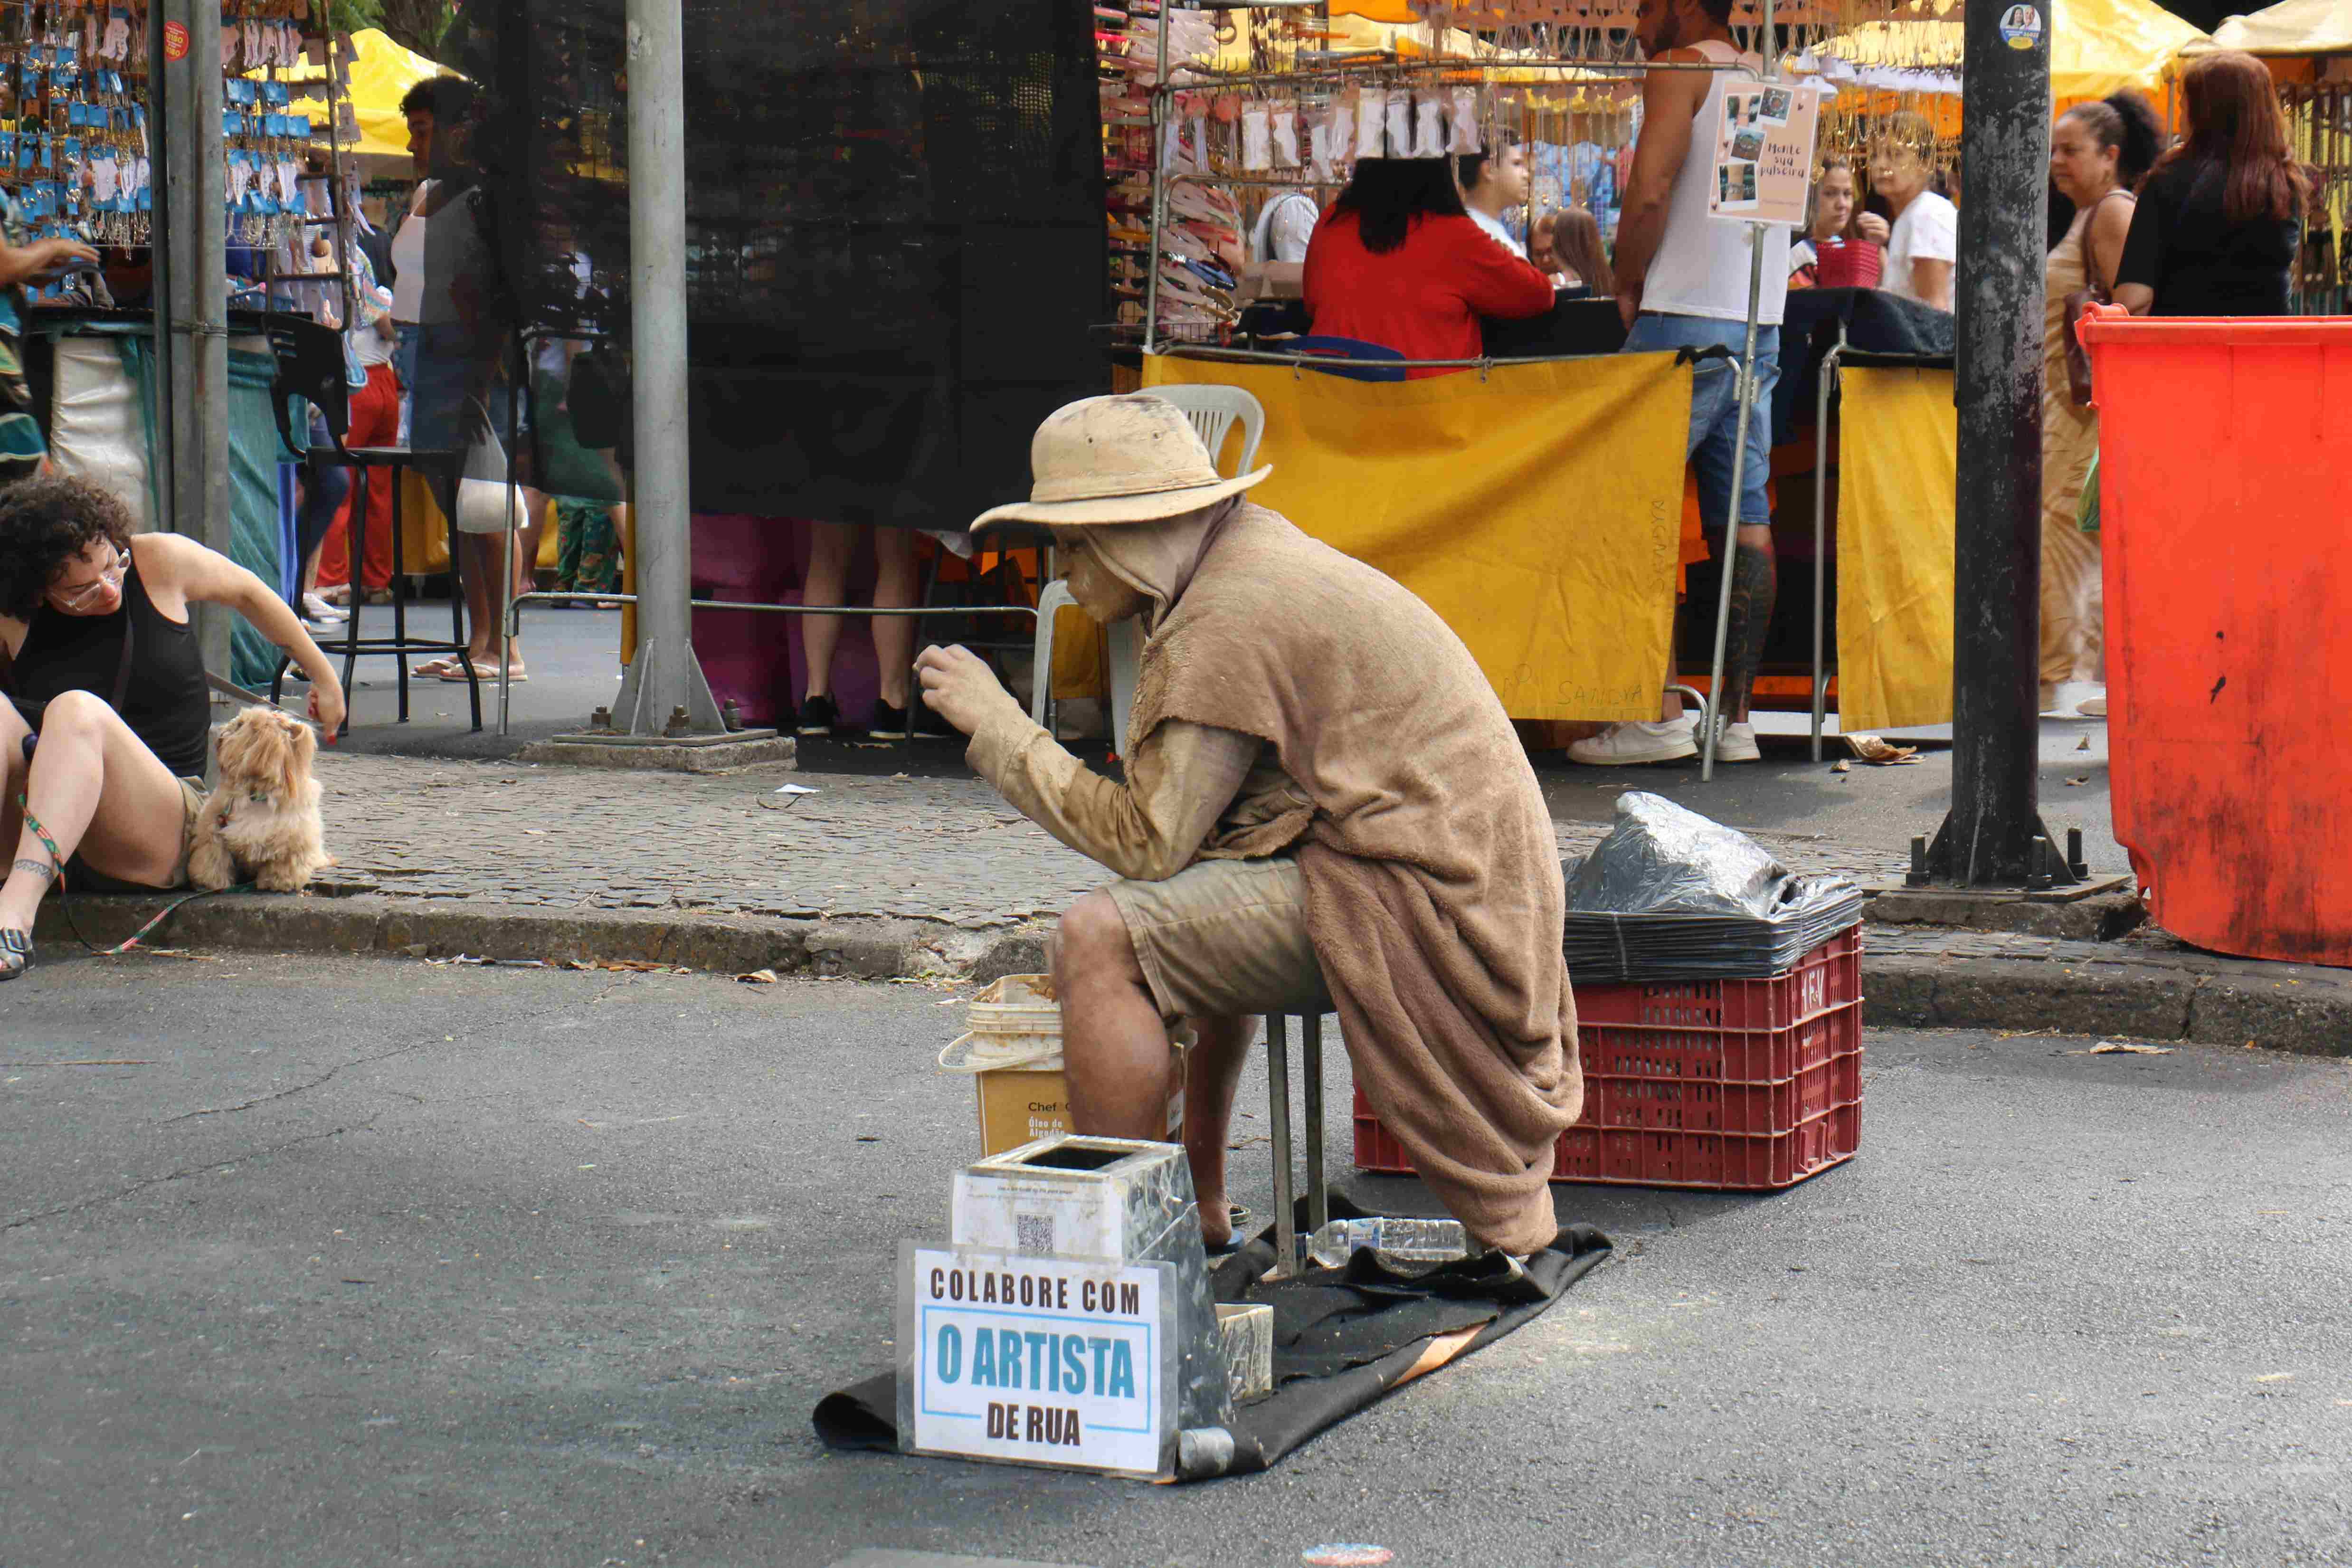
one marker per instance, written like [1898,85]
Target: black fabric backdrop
[895,228]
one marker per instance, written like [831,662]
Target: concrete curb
[2065,987]
[722,945]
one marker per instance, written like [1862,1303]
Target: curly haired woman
[103,748]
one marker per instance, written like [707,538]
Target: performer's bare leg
[1114,1045]
[1210,1078]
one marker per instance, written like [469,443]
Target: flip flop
[438,669]
[15,953]
[488,673]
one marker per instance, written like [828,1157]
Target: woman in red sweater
[1397,262]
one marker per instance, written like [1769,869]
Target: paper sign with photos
[1763,150]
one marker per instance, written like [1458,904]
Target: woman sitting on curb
[97,652]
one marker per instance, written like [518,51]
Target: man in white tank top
[1682,282]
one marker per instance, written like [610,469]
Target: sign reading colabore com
[1037,1360]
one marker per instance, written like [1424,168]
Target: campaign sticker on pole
[2021,26]
[1037,1360]
[1763,150]
[175,40]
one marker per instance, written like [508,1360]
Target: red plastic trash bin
[2225,464]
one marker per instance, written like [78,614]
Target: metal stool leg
[1318,1191]
[1277,1088]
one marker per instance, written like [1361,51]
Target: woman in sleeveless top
[2098,150]
[105,781]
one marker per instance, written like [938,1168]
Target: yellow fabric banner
[1537,508]
[1898,457]
[382,75]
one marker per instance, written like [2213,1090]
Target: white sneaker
[1666,741]
[1737,743]
[317,609]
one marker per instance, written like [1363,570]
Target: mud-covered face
[1100,591]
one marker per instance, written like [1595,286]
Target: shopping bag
[486,503]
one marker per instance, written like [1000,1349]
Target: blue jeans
[1715,410]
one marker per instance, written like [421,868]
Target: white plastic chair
[1212,411]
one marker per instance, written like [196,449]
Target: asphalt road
[371,1262]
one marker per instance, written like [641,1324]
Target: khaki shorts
[80,879]
[1226,939]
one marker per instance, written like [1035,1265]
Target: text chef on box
[1325,809]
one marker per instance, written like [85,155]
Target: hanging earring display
[75,152]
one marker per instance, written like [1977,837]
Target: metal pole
[1989,837]
[1162,105]
[1719,713]
[664,675]
[1820,531]
[163,283]
[191,233]
[1319,1190]
[1278,1105]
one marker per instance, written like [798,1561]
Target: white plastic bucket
[1015,1022]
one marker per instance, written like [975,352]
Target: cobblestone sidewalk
[889,878]
[579,839]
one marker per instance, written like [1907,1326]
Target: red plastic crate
[1718,1055]
[1700,1104]
[1822,979]
[1654,1157]
[1676,1095]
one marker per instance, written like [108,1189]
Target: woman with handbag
[2097,151]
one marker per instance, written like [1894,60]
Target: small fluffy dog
[263,817]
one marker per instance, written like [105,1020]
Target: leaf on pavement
[2123,1047]
[757,977]
[1884,753]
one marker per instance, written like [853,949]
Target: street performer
[1325,810]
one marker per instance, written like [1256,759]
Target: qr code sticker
[1033,1234]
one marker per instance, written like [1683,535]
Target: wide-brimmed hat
[1130,458]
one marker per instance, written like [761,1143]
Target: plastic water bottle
[1401,1239]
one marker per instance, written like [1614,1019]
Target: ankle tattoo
[45,869]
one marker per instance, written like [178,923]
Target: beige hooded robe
[1434,890]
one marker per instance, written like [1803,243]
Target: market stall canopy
[2096,46]
[382,74]
[2291,28]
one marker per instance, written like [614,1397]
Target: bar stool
[1286,1265]
[364,461]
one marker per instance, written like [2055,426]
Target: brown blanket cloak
[1434,890]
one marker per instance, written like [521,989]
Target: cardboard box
[1021,1105]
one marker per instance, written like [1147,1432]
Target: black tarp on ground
[1343,1340]
[895,228]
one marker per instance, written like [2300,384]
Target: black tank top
[167,704]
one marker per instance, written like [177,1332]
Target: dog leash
[66,900]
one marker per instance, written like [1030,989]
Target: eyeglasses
[89,593]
